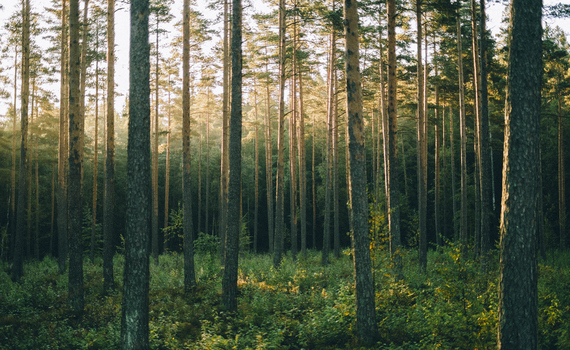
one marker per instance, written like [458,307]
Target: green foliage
[300,305]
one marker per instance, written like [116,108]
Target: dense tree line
[413,77]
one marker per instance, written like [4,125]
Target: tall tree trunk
[462,132]
[207,204]
[229,281]
[155,153]
[18,260]
[486,178]
[437,128]
[37,181]
[421,140]
[314,185]
[561,176]
[225,129]
[62,215]
[12,216]
[518,295]
[335,180]
[269,162]
[279,195]
[330,115]
[366,328]
[29,181]
[293,144]
[453,186]
[95,153]
[52,217]
[167,166]
[189,274]
[477,132]
[302,170]
[109,198]
[256,157]
[135,304]
[75,202]
[392,159]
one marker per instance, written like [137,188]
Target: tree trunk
[29,181]
[463,133]
[314,186]
[518,295]
[421,140]
[302,171]
[18,259]
[229,281]
[155,152]
[75,202]
[95,154]
[189,274]
[12,214]
[293,145]
[167,165]
[561,176]
[366,329]
[437,128]
[207,204]
[109,197]
[279,195]
[453,186]
[268,162]
[63,148]
[392,159]
[256,157]
[225,131]
[477,130]
[37,181]
[135,304]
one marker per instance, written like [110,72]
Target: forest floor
[302,305]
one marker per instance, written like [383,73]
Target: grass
[300,306]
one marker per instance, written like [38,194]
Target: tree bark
[518,295]
[330,115]
[224,167]
[268,162]
[135,304]
[63,148]
[229,281]
[366,328]
[109,195]
[561,176]
[189,274]
[95,154]
[462,132]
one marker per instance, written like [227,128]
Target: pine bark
[189,273]
[135,304]
[518,295]
[229,281]
[95,154]
[561,176]
[366,328]
[224,167]
[462,132]
[62,215]
[12,214]
[302,170]
[109,194]
[269,162]
[154,221]
[329,153]
[279,195]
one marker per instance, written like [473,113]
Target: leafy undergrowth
[300,306]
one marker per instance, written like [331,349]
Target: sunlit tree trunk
[155,150]
[256,156]
[12,214]
[229,281]
[518,292]
[279,195]
[453,186]
[167,165]
[392,159]
[293,144]
[189,274]
[302,170]
[561,176]
[63,148]
[268,162]
[95,153]
[29,181]
[463,133]
[224,168]
[314,185]
[37,181]
[437,160]
[109,197]
[366,328]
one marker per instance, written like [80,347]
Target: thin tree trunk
[207,204]
[18,260]
[62,217]
[279,195]
[95,154]
[477,133]
[109,198]
[167,166]
[225,131]
[189,274]
[14,131]
[293,145]
[302,170]
[335,180]
[155,153]
[561,176]
[453,186]
[314,185]
[29,181]
[256,156]
[52,217]
[268,163]
[330,116]
[37,181]
[229,281]
[437,159]
[392,164]
[462,132]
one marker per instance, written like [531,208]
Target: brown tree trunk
[302,170]
[189,274]
[95,154]
[109,197]
[463,134]
[518,295]
[279,195]
[155,152]
[12,214]
[392,159]
[269,163]
[229,281]
[256,156]
[293,145]
[561,176]
[62,217]
[366,328]
[167,165]
[135,303]
[224,168]
[437,128]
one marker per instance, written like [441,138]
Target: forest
[283,174]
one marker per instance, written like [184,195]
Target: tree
[393,188]
[462,131]
[189,276]
[134,321]
[18,259]
[63,147]
[229,281]
[279,195]
[109,198]
[518,295]
[366,329]
[74,193]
